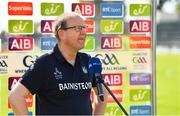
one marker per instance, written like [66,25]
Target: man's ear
[60,34]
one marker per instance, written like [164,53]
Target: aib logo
[85,9]
[46,26]
[12,82]
[113,79]
[16,44]
[3,64]
[111,42]
[20,26]
[89,43]
[139,60]
[107,59]
[52,9]
[140,26]
[28,60]
[111,26]
[20,8]
[140,10]
[139,95]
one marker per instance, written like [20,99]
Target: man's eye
[80,27]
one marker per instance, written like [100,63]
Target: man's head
[70,30]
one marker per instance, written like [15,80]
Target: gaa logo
[107,59]
[3,64]
[0,45]
[139,60]
[85,9]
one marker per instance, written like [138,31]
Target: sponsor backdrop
[119,33]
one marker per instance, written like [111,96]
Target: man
[60,79]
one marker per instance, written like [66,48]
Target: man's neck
[69,55]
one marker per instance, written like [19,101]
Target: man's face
[75,33]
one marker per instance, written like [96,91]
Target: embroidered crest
[84,70]
[58,74]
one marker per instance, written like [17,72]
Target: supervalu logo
[52,9]
[91,26]
[20,8]
[118,94]
[139,42]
